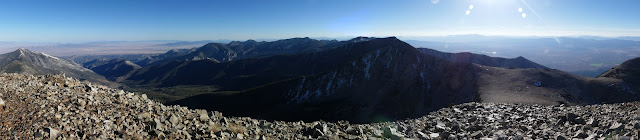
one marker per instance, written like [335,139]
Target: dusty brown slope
[549,87]
[629,71]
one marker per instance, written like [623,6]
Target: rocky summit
[58,107]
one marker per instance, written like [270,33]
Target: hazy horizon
[86,21]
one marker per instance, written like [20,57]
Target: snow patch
[330,82]
[388,62]
[50,56]
[367,63]
[538,84]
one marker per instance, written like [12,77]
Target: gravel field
[57,107]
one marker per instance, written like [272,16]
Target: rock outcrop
[53,106]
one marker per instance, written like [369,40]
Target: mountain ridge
[406,78]
[518,62]
[28,62]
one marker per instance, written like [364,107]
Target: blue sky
[102,20]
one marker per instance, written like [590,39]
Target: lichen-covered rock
[38,107]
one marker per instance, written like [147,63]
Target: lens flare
[524,15]
[468,12]
[520,10]
[470,6]
[435,1]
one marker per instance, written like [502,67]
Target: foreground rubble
[54,106]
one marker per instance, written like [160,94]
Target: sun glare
[496,6]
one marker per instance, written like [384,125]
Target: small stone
[593,122]
[392,134]
[223,135]
[81,102]
[377,132]
[203,114]
[174,120]
[354,130]
[313,132]
[457,110]
[575,119]
[240,136]
[476,135]
[616,126]
[581,135]
[53,133]
[88,88]
[424,136]
[624,138]
[518,137]
[434,135]
[37,135]
[561,137]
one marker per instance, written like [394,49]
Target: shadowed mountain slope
[365,81]
[237,50]
[114,70]
[519,62]
[370,80]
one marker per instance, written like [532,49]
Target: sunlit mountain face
[320,69]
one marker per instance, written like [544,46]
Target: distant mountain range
[192,43]
[583,55]
[360,80]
